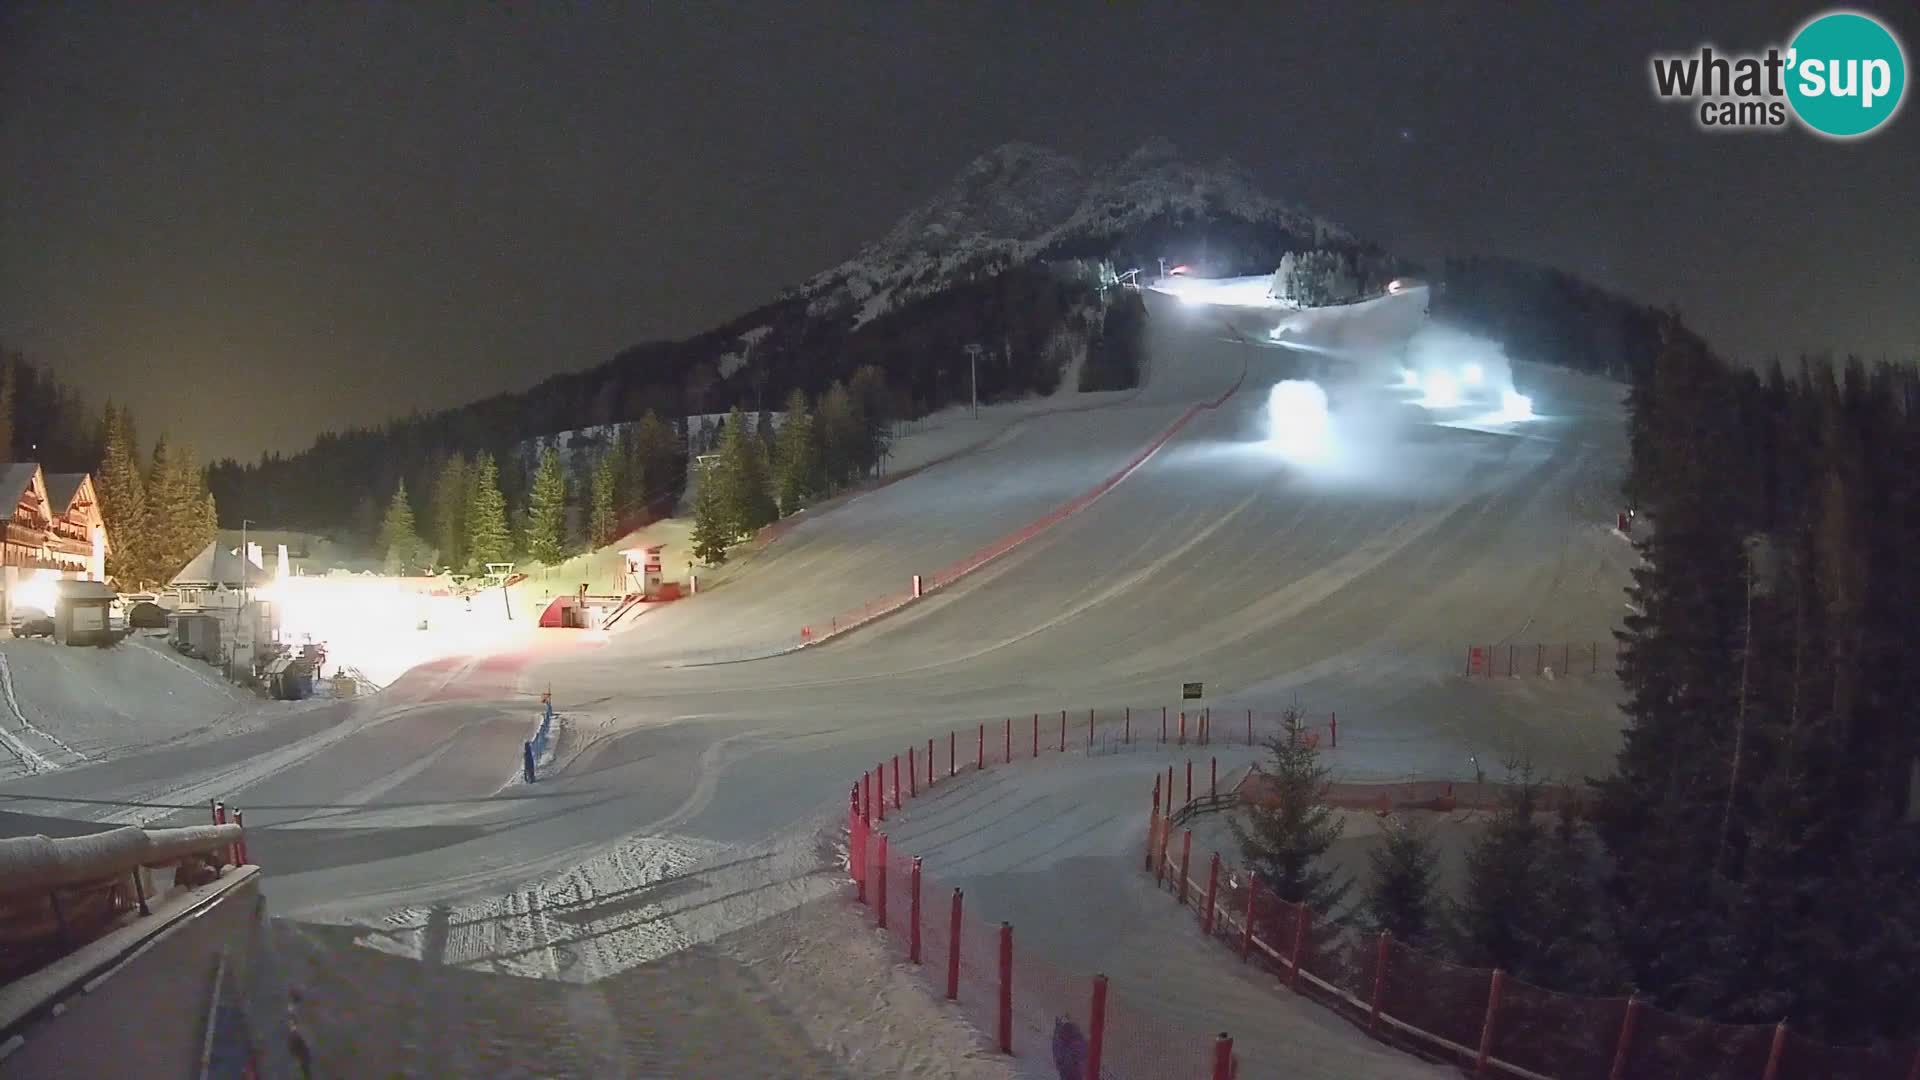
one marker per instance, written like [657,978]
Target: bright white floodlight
[1298,426]
[1442,391]
[1472,375]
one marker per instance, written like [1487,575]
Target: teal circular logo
[1846,74]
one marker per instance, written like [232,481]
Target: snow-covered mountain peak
[1021,202]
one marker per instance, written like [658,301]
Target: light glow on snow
[1515,406]
[1298,425]
[1473,374]
[38,592]
[375,623]
[1442,391]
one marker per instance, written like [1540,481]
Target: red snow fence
[1479,1018]
[1026,1006]
[1542,659]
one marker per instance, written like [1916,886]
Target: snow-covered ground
[1354,589]
[1054,846]
[62,706]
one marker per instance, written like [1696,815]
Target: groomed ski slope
[1214,561]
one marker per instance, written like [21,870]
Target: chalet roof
[15,478]
[61,489]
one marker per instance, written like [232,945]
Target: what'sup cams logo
[1841,76]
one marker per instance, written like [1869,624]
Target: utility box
[80,613]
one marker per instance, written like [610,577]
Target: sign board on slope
[1190,691]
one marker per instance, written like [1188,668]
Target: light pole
[246,557]
[973,377]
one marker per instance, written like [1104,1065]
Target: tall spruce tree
[1660,812]
[603,520]
[840,436]
[1498,918]
[546,530]
[488,539]
[399,539]
[796,465]
[1286,833]
[741,478]
[713,529]
[123,503]
[1400,890]
[450,496]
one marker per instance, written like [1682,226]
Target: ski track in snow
[701,806]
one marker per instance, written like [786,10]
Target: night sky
[258,221]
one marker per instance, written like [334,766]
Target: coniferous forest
[1761,819]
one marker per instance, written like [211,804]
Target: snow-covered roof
[70,589]
[219,563]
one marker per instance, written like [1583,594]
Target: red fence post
[880,884]
[1189,801]
[219,813]
[1169,791]
[953,950]
[857,847]
[880,788]
[1183,727]
[929,762]
[1486,1029]
[981,761]
[1509,660]
[896,781]
[240,845]
[1774,1054]
[1166,837]
[1213,777]
[1333,729]
[913,774]
[213,811]
[1625,1045]
[1089,729]
[1009,740]
[1163,723]
[913,913]
[1303,915]
[1153,835]
[952,742]
[1186,860]
[1128,736]
[1006,988]
[1036,734]
[1222,1058]
[1380,976]
[1213,888]
[866,799]
[1063,731]
[1539,657]
[1253,904]
[1096,1027]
